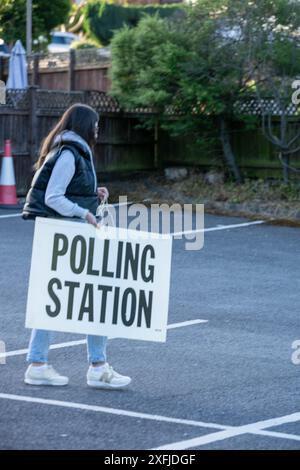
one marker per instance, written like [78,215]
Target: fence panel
[122,145]
[29,115]
[15,126]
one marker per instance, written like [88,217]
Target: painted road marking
[224,432]
[9,215]
[185,323]
[104,409]
[276,434]
[252,428]
[219,227]
[6,216]
[184,232]
[20,352]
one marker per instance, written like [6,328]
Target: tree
[45,17]
[104,17]
[187,65]
[276,71]
[199,66]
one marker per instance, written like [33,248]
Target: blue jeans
[40,342]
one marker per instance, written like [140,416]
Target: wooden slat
[121,145]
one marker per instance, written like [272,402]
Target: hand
[91,219]
[102,193]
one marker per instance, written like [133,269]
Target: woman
[65,185]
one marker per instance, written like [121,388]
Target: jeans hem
[36,359]
[96,359]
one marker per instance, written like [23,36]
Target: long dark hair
[79,118]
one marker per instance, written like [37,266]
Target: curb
[217,209]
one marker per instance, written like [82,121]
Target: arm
[61,176]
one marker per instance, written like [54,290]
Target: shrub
[102,18]
[85,44]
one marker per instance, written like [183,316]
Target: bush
[85,44]
[103,18]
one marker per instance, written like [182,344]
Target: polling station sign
[103,281]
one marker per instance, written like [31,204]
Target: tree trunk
[227,150]
[286,170]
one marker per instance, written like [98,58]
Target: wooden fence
[123,146]
[28,115]
[82,69]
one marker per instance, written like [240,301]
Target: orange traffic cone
[8,192]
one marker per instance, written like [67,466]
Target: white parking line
[219,227]
[184,232]
[104,409]
[68,344]
[276,434]
[224,432]
[253,428]
[20,352]
[7,216]
[185,323]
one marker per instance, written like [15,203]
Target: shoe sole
[44,382]
[105,385]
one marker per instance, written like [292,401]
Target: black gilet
[80,190]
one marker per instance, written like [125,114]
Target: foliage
[201,64]
[44,18]
[103,17]
[261,191]
[84,44]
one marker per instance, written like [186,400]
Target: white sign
[103,281]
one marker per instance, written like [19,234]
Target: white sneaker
[44,375]
[106,377]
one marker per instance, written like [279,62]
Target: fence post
[36,63]
[86,96]
[1,68]
[72,64]
[33,121]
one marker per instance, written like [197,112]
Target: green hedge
[103,18]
